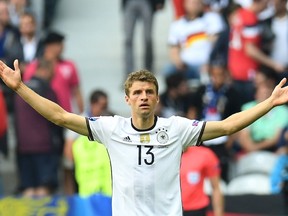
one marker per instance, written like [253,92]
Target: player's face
[142,98]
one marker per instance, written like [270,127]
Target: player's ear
[127,99]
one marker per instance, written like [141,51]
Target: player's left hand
[279,95]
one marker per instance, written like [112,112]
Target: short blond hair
[143,76]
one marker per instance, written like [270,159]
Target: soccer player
[144,150]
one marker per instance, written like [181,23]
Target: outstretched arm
[48,109]
[238,121]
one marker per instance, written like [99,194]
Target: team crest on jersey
[93,118]
[144,138]
[162,136]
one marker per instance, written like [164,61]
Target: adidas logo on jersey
[127,139]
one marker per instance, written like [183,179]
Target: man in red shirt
[197,164]
[66,82]
[245,55]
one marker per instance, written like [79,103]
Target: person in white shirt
[279,26]
[144,150]
[196,30]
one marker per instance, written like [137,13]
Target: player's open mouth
[144,106]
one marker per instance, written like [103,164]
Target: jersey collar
[141,130]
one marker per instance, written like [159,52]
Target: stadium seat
[256,183]
[256,162]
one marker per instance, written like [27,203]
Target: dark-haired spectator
[28,46]
[98,105]
[134,11]
[66,81]
[244,44]
[174,100]
[263,134]
[221,46]
[38,151]
[216,101]
[8,35]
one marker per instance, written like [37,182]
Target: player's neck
[141,123]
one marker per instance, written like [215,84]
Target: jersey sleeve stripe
[90,136]
[200,135]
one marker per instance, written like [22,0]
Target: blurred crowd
[224,56]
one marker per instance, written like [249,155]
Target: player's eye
[150,92]
[136,92]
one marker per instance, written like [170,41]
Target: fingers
[282,82]
[16,64]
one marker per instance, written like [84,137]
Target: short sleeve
[100,128]
[251,28]
[190,131]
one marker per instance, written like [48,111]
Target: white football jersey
[146,163]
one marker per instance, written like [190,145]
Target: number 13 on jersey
[147,157]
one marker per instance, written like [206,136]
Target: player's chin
[145,112]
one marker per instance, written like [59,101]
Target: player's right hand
[12,78]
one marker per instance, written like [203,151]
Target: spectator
[198,164]
[279,27]
[244,44]
[38,151]
[98,106]
[134,10]
[65,82]
[221,46]
[92,167]
[5,18]
[174,100]
[28,47]
[279,175]
[196,30]
[263,134]
[8,35]
[216,101]
[16,9]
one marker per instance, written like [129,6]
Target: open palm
[280,93]
[12,78]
